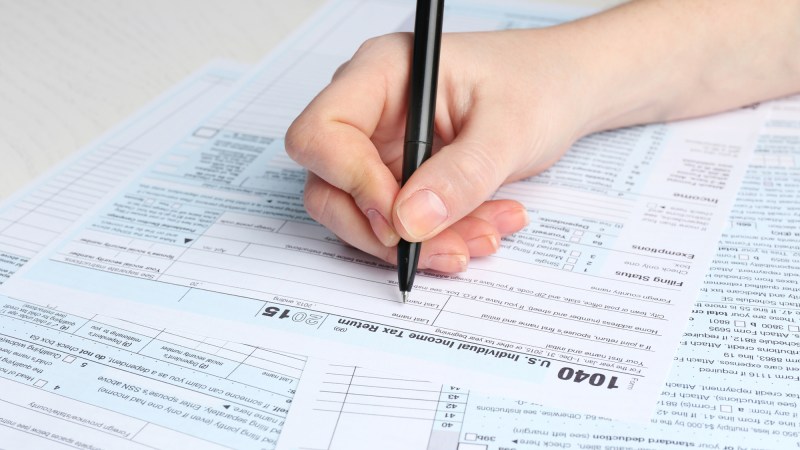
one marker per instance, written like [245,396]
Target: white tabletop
[71,70]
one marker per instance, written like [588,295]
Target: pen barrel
[407,260]
[424,71]
[423,79]
[414,154]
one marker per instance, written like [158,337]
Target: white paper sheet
[78,380]
[735,383]
[583,309]
[37,214]
[72,380]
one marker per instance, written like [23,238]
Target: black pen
[419,119]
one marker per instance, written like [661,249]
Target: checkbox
[68,359]
[572,260]
[578,233]
[575,253]
[794,328]
[470,437]
[205,132]
[568,267]
[739,323]
[744,257]
[40,383]
[725,408]
[575,239]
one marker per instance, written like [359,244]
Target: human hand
[507,108]
[510,103]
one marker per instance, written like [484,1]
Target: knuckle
[373,43]
[339,70]
[360,183]
[300,139]
[477,170]
[368,45]
[384,45]
[317,200]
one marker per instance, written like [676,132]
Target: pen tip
[405,296]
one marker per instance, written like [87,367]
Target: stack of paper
[125,315]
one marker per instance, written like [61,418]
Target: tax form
[71,379]
[35,216]
[735,383]
[85,381]
[582,310]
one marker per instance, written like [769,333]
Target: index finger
[332,137]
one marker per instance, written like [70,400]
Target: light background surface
[70,70]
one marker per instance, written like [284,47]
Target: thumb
[453,182]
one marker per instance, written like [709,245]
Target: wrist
[661,60]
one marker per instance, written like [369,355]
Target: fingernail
[511,221]
[483,245]
[447,263]
[380,226]
[422,213]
